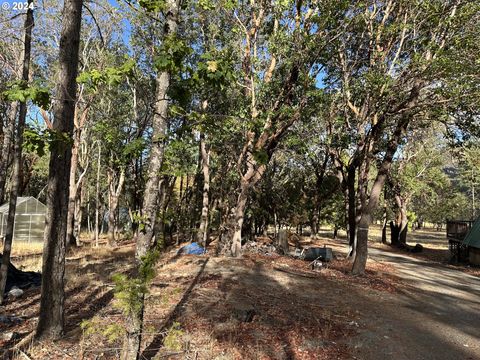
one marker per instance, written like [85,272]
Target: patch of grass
[112,332]
[173,340]
[33,263]
[22,248]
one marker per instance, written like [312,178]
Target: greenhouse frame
[29,220]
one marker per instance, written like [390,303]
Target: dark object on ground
[317,253]
[417,248]
[244,314]
[191,249]
[412,249]
[21,279]
[9,320]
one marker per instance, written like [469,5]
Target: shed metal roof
[20,200]
[473,236]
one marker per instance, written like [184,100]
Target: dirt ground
[267,307]
[435,314]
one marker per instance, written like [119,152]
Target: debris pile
[255,247]
[318,257]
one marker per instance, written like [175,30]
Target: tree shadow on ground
[152,348]
[296,317]
[83,300]
[88,308]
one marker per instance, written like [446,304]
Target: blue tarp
[192,249]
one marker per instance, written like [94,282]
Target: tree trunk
[282,242]
[51,318]
[79,204]
[74,184]
[113,197]
[275,223]
[71,241]
[360,261]
[384,219]
[159,232]
[203,228]
[383,170]
[320,172]
[352,213]
[17,161]
[335,231]
[314,224]
[97,196]
[384,230]
[6,149]
[150,201]
[402,221]
[239,216]
[89,223]
[251,177]
[394,232]
[403,229]
[26,173]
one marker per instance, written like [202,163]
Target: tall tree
[279,53]
[51,319]
[171,10]
[417,170]
[388,63]
[159,128]
[205,161]
[8,135]
[75,184]
[17,156]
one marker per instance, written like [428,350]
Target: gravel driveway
[436,317]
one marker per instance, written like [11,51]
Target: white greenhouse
[29,220]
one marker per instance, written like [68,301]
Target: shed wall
[474,256]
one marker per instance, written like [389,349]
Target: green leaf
[152,5]
[22,91]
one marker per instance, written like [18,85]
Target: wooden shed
[472,241]
[464,240]
[29,220]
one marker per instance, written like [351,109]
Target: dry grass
[89,293]
[285,324]
[22,248]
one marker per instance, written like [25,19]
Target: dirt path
[435,314]
[436,317]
